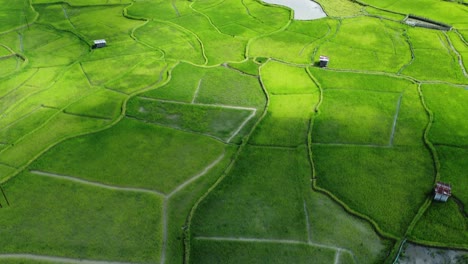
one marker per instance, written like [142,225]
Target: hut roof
[443,188]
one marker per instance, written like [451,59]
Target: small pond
[303,9]
[414,254]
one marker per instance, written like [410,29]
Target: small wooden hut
[99,43]
[324,61]
[442,191]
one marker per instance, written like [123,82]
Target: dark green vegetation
[205,132]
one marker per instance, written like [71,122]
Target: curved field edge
[187,234]
[122,114]
[399,241]
[315,187]
[114,122]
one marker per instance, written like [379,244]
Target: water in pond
[303,9]
[413,254]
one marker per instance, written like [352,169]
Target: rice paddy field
[206,131]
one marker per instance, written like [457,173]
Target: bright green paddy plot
[159,9]
[358,81]
[10,41]
[448,105]
[4,169]
[10,64]
[217,47]
[11,83]
[340,8]
[442,224]
[402,177]
[34,143]
[453,168]
[434,58]
[298,43]
[435,65]
[369,44]
[101,226]
[411,120]
[244,19]
[10,10]
[356,117]
[144,75]
[287,120]
[292,80]
[4,51]
[85,2]
[207,251]
[175,41]
[104,104]
[384,14]
[217,85]
[128,48]
[161,158]
[460,45]
[185,79]
[215,121]
[10,132]
[104,71]
[72,86]
[91,22]
[247,67]
[220,48]
[443,11]
[45,47]
[429,39]
[22,92]
[226,86]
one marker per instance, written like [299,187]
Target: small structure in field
[442,191]
[324,61]
[99,43]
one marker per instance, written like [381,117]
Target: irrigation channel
[303,9]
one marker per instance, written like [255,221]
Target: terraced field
[206,132]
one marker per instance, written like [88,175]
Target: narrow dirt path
[235,132]
[395,119]
[58,259]
[254,112]
[350,145]
[195,94]
[127,189]
[203,172]
[174,6]
[21,45]
[460,58]
[164,232]
[272,241]
[96,184]
[309,235]
[337,257]
[201,104]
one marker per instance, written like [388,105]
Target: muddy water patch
[414,254]
[303,9]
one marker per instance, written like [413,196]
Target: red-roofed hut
[442,191]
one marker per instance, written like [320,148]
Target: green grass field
[446,103]
[354,174]
[206,132]
[87,231]
[158,147]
